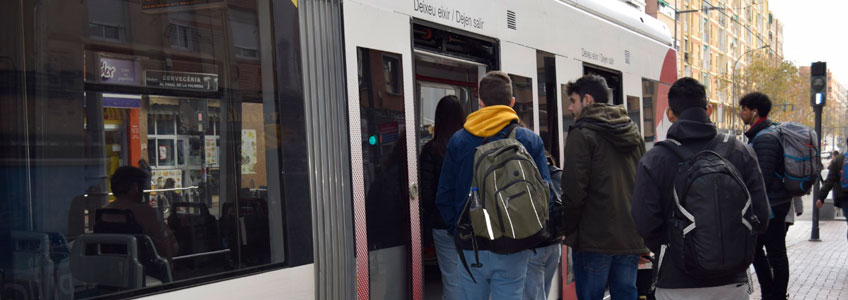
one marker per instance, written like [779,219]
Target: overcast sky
[815,30]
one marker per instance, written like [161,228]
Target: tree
[786,86]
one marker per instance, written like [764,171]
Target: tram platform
[817,270]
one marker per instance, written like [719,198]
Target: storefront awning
[121,100]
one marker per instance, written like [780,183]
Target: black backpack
[555,221]
[712,229]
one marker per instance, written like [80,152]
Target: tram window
[650,94]
[392,74]
[633,110]
[613,79]
[567,116]
[548,125]
[173,89]
[522,90]
[384,164]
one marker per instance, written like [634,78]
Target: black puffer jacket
[770,156]
[832,182]
[653,196]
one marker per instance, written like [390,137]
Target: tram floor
[432,282]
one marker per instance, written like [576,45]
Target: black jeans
[772,266]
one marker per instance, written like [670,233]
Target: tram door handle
[413,191]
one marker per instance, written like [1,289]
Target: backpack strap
[509,132]
[772,128]
[677,148]
[716,144]
[458,244]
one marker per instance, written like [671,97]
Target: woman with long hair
[450,117]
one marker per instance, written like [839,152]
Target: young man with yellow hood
[501,276]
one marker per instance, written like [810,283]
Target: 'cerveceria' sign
[181,80]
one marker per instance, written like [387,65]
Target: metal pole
[814,233]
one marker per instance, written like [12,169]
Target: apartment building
[712,35]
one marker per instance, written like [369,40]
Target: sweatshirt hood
[490,120]
[613,124]
[692,125]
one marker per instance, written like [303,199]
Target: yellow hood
[490,120]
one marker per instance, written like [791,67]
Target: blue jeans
[448,264]
[594,271]
[845,213]
[501,276]
[540,271]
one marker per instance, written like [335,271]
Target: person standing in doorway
[449,118]
[772,266]
[601,152]
[496,275]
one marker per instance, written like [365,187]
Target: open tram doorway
[435,78]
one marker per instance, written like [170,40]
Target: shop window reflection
[115,85]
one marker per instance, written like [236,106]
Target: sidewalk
[817,270]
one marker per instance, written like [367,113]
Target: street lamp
[735,63]
[678,12]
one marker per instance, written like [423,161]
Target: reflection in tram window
[522,90]
[438,77]
[384,155]
[567,116]
[650,94]
[129,83]
[633,110]
[548,123]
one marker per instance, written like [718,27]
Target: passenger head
[450,117]
[170,183]
[496,89]
[686,93]
[755,106]
[128,183]
[586,90]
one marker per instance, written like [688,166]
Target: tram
[290,129]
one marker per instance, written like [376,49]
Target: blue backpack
[801,158]
[843,175]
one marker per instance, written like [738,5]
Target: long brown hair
[450,116]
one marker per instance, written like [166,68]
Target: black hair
[686,93]
[758,101]
[450,116]
[592,85]
[124,177]
[495,89]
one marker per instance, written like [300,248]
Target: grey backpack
[801,157]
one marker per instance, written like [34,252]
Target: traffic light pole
[818,100]
[814,233]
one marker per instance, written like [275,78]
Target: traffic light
[818,84]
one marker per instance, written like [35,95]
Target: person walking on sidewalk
[449,118]
[772,268]
[496,276]
[837,178]
[601,152]
[656,190]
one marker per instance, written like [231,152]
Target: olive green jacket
[602,150]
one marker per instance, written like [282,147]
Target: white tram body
[580,35]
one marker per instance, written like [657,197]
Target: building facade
[711,36]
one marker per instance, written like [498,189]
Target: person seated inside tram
[128,187]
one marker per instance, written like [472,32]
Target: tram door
[383,154]
[437,77]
